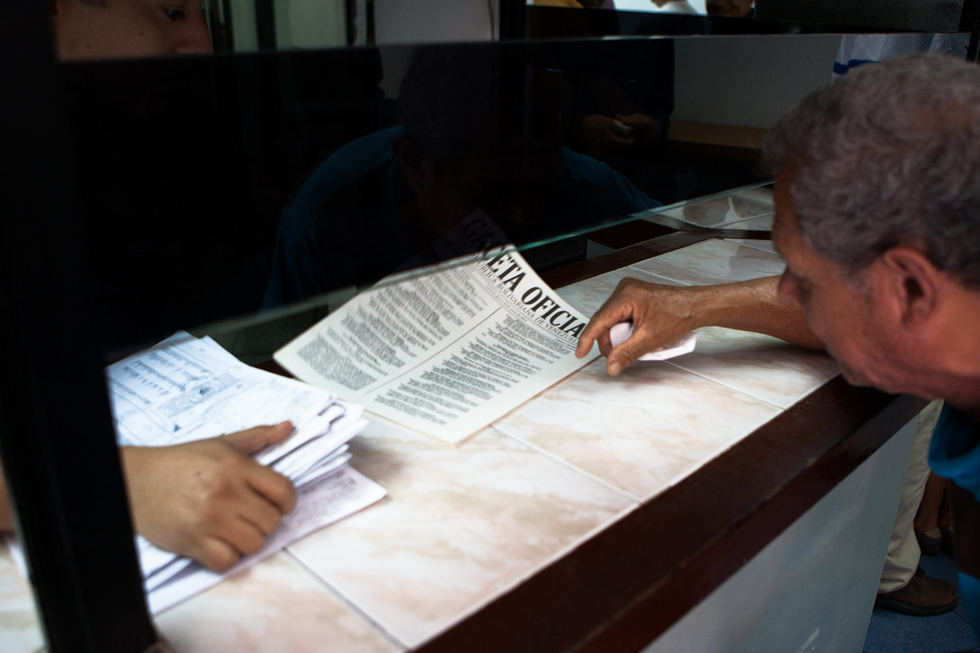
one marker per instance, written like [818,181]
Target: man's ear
[410,158]
[913,282]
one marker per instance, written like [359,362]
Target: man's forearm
[753,306]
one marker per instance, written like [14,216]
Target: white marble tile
[641,431]
[764,245]
[588,296]
[275,606]
[20,630]
[459,526]
[759,223]
[723,211]
[764,367]
[713,261]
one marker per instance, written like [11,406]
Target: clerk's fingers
[260,511]
[244,536]
[214,553]
[275,487]
[259,437]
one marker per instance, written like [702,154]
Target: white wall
[812,589]
[431,21]
[749,81]
[243,25]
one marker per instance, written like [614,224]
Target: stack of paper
[187,389]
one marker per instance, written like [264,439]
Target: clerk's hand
[208,499]
[661,315]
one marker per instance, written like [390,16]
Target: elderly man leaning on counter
[877,201]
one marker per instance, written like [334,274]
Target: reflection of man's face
[101,29]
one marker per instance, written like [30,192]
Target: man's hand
[646,130]
[661,315]
[606,133]
[208,499]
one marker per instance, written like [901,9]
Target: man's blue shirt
[344,226]
[955,454]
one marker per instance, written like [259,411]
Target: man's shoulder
[347,165]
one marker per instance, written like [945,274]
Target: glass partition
[227,187]
[219,187]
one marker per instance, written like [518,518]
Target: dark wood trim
[624,587]
[630,233]
[655,247]
[628,255]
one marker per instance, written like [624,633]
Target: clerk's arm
[206,499]
[664,314]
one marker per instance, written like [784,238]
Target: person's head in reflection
[110,29]
[737,8]
[477,162]
[480,133]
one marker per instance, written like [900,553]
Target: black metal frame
[265,21]
[970,22]
[56,439]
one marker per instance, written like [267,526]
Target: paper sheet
[186,389]
[623,331]
[446,353]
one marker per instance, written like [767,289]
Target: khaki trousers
[903,549]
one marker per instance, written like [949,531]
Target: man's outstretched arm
[206,499]
[662,315]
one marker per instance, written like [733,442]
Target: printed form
[186,389]
[446,353]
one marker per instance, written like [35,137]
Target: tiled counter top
[534,510]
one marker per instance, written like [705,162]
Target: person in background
[734,8]
[207,499]
[877,201]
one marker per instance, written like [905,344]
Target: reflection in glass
[221,187]
[107,29]
[479,161]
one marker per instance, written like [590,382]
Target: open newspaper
[445,353]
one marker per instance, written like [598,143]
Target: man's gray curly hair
[888,155]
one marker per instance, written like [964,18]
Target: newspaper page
[446,353]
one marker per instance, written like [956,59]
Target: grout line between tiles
[347,603]
[732,226]
[561,553]
[748,243]
[569,465]
[633,504]
[731,387]
[658,276]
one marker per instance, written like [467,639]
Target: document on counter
[186,389]
[445,353]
